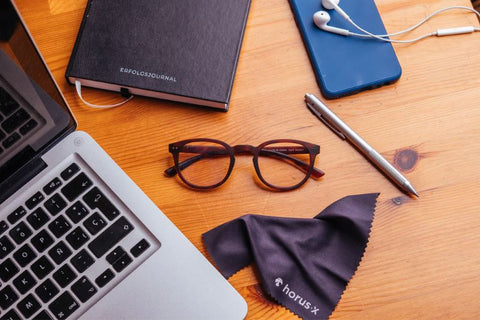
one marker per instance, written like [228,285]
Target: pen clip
[325,121]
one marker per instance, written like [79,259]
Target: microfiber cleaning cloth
[304,264]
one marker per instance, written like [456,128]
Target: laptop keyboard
[15,122]
[65,246]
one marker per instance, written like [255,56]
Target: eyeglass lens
[210,162]
[278,166]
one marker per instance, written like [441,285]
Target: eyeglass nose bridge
[244,149]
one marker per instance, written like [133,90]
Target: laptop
[78,238]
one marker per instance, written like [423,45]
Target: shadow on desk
[476,4]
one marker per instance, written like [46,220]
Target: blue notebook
[346,65]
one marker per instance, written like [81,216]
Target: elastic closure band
[78,86]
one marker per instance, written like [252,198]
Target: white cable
[437,33]
[368,35]
[78,86]
[426,19]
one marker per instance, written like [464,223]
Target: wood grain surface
[423,257]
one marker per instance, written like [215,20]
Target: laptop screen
[33,113]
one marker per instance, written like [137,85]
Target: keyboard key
[83,289]
[24,255]
[7,104]
[59,226]
[55,204]
[28,306]
[139,248]
[24,282]
[20,232]
[42,316]
[64,276]
[77,212]
[97,200]
[6,246]
[42,241]
[94,223]
[34,200]
[52,186]
[110,237]
[70,171]
[27,127]
[104,278]
[16,215]
[15,120]
[3,226]
[63,306]
[7,270]
[46,291]
[7,297]
[122,262]
[38,218]
[11,140]
[77,238]
[10,315]
[7,107]
[77,186]
[115,255]
[60,252]
[4,95]
[82,261]
[42,267]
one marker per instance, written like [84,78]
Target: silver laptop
[78,238]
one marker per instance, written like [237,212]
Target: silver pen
[330,119]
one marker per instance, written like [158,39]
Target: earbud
[329,4]
[321,19]
[333,5]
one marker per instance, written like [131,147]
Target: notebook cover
[186,49]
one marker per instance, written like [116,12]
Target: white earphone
[321,19]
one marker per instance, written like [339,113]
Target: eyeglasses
[282,164]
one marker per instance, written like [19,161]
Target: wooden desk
[423,258]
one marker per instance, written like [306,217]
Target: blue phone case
[345,65]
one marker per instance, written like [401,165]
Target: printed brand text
[296,297]
[146,74]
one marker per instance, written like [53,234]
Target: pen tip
[413,191]
[407,187]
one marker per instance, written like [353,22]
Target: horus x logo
[295,296]
[278,282]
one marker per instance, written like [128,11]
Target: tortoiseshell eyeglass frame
[277,151]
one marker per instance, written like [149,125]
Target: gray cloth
[304,264]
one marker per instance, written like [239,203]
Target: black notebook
[181,50]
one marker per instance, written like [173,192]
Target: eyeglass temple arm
[316,173]
[204,151]
[214,151]
[171,171]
